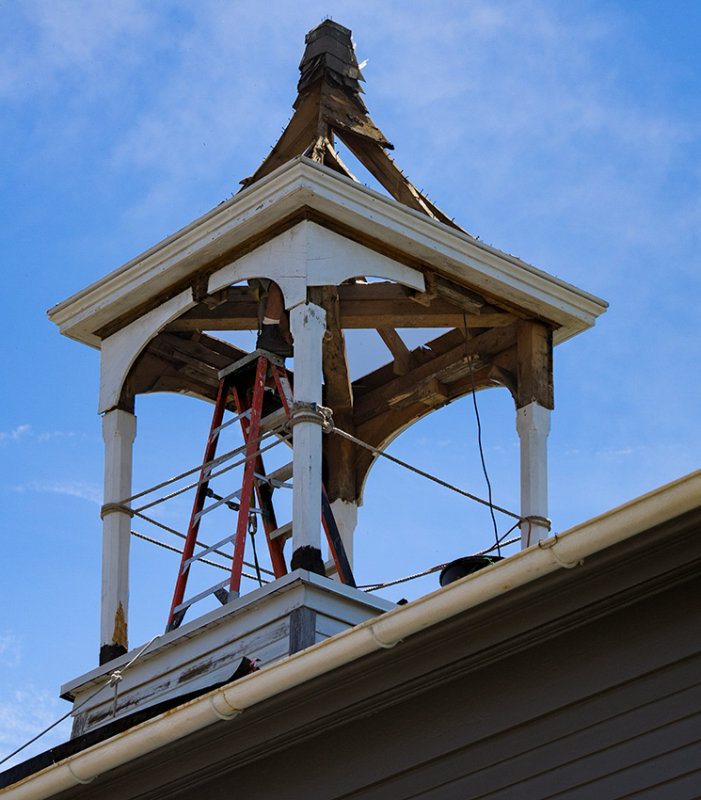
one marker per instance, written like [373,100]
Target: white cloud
[10,650]
[23,714]
[26,433]
[48,435]
[85,491]
[67,39]
[20,432]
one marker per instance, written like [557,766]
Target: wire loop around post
[311,412]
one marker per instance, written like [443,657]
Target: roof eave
[303,183]
[559,552]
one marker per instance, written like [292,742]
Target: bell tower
[343,257]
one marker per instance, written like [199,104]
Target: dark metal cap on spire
[330,54]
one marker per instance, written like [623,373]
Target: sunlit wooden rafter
[361,305]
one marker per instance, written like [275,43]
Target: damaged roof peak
[329,105]
[330,54]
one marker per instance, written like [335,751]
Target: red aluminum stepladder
[234,383]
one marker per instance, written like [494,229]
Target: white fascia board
[457,254]
[302,182]
[230,223]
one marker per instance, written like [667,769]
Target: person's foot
[271,339]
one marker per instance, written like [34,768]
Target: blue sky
[565,133]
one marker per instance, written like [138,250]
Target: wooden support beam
[454,339]
[465,299]
[339,394]
[177,363]
[447,362]
[343,113]
[371,305]
[402,357]
[385,426]
[338,453]
[333,160]
[535,364]
[379,163]
[153,373]
[301,131]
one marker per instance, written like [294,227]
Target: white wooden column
[118,431]
[533,426]
[307,324]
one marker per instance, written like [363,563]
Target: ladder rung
[212,589]
[217,503]
[278,477]
[207,550]
[231,421]
[284,532]
[249,359]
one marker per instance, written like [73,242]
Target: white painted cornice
[303,183]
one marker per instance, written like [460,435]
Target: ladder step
[222,501]
[284,532]
[212,590]
[207,550]
[278,477]
[245,415]
[251,360]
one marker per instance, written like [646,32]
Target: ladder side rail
[198,504]
[248,474]
[282,383]
[264,494]
[336,546]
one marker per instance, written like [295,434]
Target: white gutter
[566,550]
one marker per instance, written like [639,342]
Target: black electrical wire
[252,530]
[479,435]
[373,587]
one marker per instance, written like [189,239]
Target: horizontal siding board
[633,777]
[514,761]
[679,787]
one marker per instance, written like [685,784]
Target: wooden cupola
[345,257]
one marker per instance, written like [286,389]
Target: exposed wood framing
[328,102]
[441,360]
[186,364]
[322,152]
[402,357]
[381,429]
[535,364]
[378,162]
[339,454]
[386,403]
[301,132]
[468,301]
[372,305]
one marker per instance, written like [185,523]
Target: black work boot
[271,339]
